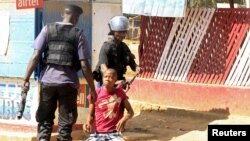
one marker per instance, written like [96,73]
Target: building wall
[102,13]
[22,28]
[196,97]
[18,36]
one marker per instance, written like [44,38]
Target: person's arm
[128,107]
[38,47]
[89,77]
[30,68]
[91,110]
[120,126]
[103,57]
[32,65]
[104,67]
[83,54]
[90,118]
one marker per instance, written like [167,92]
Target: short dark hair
[74,8]
[113,71]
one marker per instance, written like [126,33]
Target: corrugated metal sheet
[208,46]
[14,63]
[161,8]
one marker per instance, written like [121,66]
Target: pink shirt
[108,109]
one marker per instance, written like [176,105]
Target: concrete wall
[200,97]
[17,35]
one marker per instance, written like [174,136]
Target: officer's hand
[121,84]
[138,69]
[25,87]
[132,56]
[124,85]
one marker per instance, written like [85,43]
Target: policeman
[114,52]
[65,50]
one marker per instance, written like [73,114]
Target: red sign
[81,99]
[25,4]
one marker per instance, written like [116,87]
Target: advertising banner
[25,4]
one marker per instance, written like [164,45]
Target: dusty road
[180,125]
[169,124]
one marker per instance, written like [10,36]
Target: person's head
[109,78]
[118,27]
[72,13]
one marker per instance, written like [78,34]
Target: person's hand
[120,126]
[25,87]
[87,126]
[122,84]
[138,69]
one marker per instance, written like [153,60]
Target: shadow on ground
[164,125]
[167,124]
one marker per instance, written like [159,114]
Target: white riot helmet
[118,23]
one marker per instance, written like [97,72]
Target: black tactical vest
[119,57]
[62,45]
[116,57]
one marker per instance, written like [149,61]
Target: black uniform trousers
[65,98]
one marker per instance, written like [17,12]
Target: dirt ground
[179,125]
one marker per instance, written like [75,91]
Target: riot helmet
[118,23]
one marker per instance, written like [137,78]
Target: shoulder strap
[78,33]
[51,30]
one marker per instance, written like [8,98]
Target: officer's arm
[104,67]
[103,57]
[32,65]
[38,45]
[89,77]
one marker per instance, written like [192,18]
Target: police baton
[22,103]
[128,83]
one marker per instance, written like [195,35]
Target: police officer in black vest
[65,51]
[114,52]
